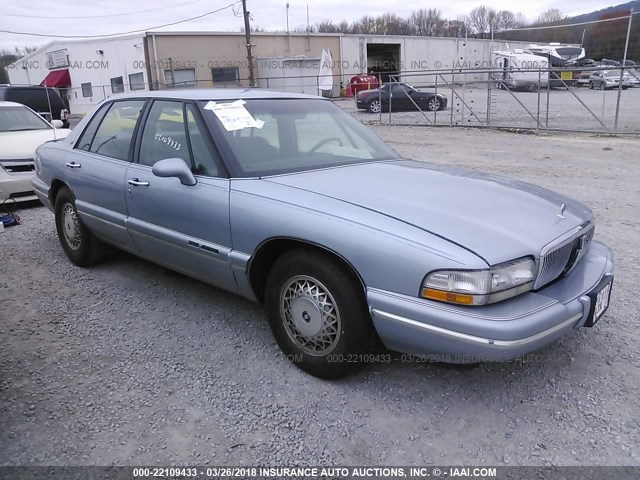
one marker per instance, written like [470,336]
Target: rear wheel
[78,243]
[318,314]
[374,106]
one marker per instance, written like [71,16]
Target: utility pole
[247,36]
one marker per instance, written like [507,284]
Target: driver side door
[183,227]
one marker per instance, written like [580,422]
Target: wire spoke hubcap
[310,315]
[71,226]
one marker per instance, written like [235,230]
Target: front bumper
[16,187]
[496,332]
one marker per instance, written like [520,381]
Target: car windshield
[17,119]
[569,52]
[269,137]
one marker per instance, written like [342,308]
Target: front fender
[386,253]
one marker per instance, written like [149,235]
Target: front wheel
[318,314]
[78,243]
[433,104]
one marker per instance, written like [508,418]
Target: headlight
[480,287]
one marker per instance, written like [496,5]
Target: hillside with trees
[603,39]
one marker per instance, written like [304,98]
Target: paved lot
[575,109]
[127,363]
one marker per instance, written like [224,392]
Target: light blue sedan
[289,201]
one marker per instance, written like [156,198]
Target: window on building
[117,85]
[136,81]
[87,90]
[225,75]
[181,78]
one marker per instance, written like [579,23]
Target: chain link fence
[598,100]
[591,99]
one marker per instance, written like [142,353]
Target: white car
[22,131]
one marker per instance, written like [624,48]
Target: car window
[113,136]
[164,134]
[400,89]
[90,130]
[205,158]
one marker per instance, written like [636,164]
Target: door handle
[73,165]
[137,183]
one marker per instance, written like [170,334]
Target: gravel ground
[127,363]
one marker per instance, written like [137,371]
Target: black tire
[84,249]
[336,285]
[374,106]
[433,104]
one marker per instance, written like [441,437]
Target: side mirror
[57,123]
[174,167]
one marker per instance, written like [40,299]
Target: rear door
[96,168]
[184,227]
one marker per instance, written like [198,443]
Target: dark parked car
[45,101]
[400,96]
[610,63]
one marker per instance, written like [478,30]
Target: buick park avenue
[289,201]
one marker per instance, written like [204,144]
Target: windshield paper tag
[233,116]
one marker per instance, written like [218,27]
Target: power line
[571,24]
[103,16]
[120,33]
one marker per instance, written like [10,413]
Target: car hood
[363,93]
[22,145]
[498,219]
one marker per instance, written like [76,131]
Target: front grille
[563,254]
[28,193]
[18,166]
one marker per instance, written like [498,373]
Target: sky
[116,16]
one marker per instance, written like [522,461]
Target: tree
[551,16]
[506,20]
[480,20]
[426,22]
[327,26]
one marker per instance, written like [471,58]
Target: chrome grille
[563,254]
[18,166]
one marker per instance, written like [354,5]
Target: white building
[85,71]
[88,71]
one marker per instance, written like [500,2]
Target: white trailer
[518,70]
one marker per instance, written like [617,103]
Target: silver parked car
[287,200]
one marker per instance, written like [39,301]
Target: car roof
[4,103]
[216,94]
[24,87]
